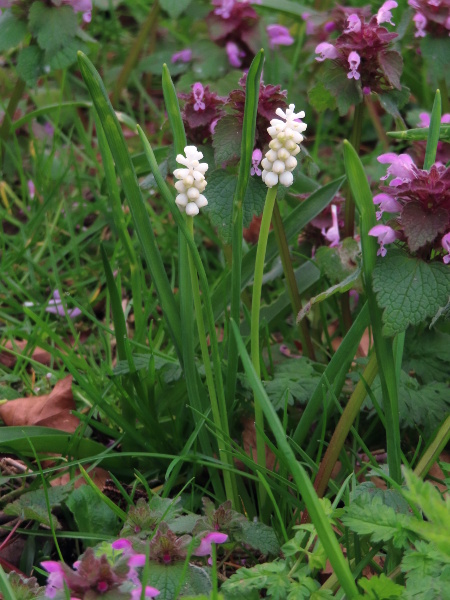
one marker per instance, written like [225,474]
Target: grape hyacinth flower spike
[191,181]
[286,135]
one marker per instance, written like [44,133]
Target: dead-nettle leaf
[50,410]
[33,505]
[341,287]
[422,226]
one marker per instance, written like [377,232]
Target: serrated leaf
[409,290]
[339,262]
[346,91]
[170,579]
[293,379]
[259,536]
[32,505]
[392,64]
[370,516]
[380,587]
[12,31]
[30,64]
[419,406]
[436,52]
[220,193]
[174,8]
[248,580]
[142,361]
[52,26]
[91,514]
[422,226]
[393,100]
[67,55]
[227,140]
[320,98]
[427,572]
[427,355]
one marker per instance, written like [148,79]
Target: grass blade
[433,133]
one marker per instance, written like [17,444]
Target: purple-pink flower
[235,54]
[446,245]
[214,537]
[332,234]
[83,6]
[256,159]
[432,16]
[198,92]
[31,189]
[384,15]
[326,50]
[56,307]
[354,61]
[402,167]
[150,592]
[279,36]
[387,204]
[182,56]
[420,22]
[385,235]
[354,24]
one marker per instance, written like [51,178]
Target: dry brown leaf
[9,360]
[98,475]
[50,410]
[249,444]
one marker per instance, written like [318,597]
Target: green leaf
[380,587]
[12,31]
[433,134]
[145,516]
[368,515]
[391,63]
[220,193]
[294,379]
[227,140]
[257,578]
[427,355]
[52,26]
[436,52]
[67,55]
[427,572]
[346,91]
[91,514]
[393,100]
[33,505]
[320,98]
[30,64]
[174,8]
[258,536]
[409,290]
[24,588]
[170,579]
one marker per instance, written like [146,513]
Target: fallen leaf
[50,410]
[9,360]
[98,475]
[249,444]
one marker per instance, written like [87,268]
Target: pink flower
[354,24]
[353,62]
[56,307]
[332,234]
[256,159]
[446,245]
[225,8]
[215,537]
[137,560]
[83,6]
[384,15]
[310,27]
[425,119]
[385,235]
[150,592]
[55,580]
[401,167]
[31,189]
[182,56]
[279,36]
[326,50]
[122,544]
[198,92]
[387,204]
[234,54]
[5,4]
[421,22]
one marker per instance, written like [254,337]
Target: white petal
[291,163]
[180,187]
[278,167]
[271,179]
[181,200]
[286,178]
[192,209]
[271,155]
[201,201]
[266,164]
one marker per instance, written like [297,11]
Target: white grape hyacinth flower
[191,181]
[286,135]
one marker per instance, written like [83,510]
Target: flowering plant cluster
[363,50]
[201,112]
[431,16]
[79,6]
[421,200]
[280,161]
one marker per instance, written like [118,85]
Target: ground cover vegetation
[225,290]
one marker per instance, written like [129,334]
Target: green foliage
[320,98]
[346,91]
[91,514]
[221,188]
[427,354]
[174,9]
[143,519]
[33,505]
[427,572]
[293,380]
[25,588]
[226,141]
[176,580]
[12,31]
[52,26]
[409,290]
[380,587]
[436,53]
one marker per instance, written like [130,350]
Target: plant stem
[377,123]
[355,140]
[343,427]
[220,420]
[289,275]
[5,129]
[431,454]
[445,95]
[133,55]
[256,307]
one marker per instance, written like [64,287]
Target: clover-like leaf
[409,290]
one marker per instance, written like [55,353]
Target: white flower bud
[278,167]
[271,179]
[266,164]
[271,155]
[286,178]
[191,181]
[290,163]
